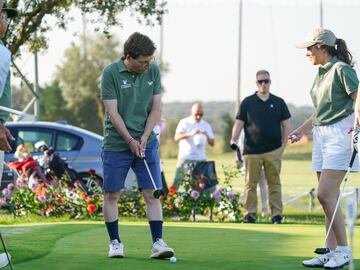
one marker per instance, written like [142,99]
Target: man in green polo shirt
[130,90]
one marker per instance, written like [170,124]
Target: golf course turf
[197,246]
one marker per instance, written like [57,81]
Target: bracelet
[130,140]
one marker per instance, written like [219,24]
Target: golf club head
[158,193]
[234,146]
[322,250]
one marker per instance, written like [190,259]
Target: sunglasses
[199,114]
[266,81]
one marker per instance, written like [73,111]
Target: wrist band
[130,140]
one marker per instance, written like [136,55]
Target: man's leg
[115,167]
[252,176]
[154,210]
[272,167]
[111,214]
[264,194]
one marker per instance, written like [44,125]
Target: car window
[30,137]
[66,142]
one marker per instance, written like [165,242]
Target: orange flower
[91,208]
[170,207]
[172,190]
[168,200]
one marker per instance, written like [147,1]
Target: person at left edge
[130,90]
[5,95]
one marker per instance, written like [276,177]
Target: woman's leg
[328,192]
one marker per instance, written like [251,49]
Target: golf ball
[294,138]
[173,259]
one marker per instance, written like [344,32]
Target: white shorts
[332,146]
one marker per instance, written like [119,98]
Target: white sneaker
[160,250]
[339,260]
[116,249]
[4,260]
[318,261]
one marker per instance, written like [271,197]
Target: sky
[201,46]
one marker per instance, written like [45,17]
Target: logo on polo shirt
[271,105]
[125,84]
[150,83]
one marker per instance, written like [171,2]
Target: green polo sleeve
[348,78]
[108,86]
[157,80]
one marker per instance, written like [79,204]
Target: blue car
[80,148]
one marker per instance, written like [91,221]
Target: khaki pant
[272,166]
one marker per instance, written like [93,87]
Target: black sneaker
[276,219]
[249,219]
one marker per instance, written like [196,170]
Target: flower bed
[190,200]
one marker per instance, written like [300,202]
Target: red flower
[172,190]
[91,208]
[91,172]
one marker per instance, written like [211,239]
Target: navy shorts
[117,164]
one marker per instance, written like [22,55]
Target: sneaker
[4,260]
[160,250]
[318,261]
[276,219]
[249,218]
[116,249]
[339,260]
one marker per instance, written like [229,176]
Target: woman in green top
[333,93]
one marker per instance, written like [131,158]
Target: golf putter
[6,252]
[158,192]
[236,148]
[326,250]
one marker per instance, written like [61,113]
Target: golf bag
[55,168]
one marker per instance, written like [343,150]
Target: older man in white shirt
[193,134]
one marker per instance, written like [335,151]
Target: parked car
[80,148]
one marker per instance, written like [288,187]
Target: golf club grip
[238,154]
[353,158]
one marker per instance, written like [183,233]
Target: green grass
[197,246]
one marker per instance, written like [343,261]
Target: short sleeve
[285,113]
[107,88]
[348,79]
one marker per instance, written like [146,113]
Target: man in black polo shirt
[265,119]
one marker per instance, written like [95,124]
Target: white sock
[344,249]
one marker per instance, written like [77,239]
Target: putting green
[197,245]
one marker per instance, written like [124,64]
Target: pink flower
[6,192]
[11,187]
[3,202]
[195,194]
[41,198]
[202,185]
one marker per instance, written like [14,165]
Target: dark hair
[262,72]
[340,51]
[138,44]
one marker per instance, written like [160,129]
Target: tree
[34,15]
[52,104]
[79,77]
[228,124]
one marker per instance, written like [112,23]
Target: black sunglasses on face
[199,114]
[266,81]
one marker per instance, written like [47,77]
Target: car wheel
[94,183]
